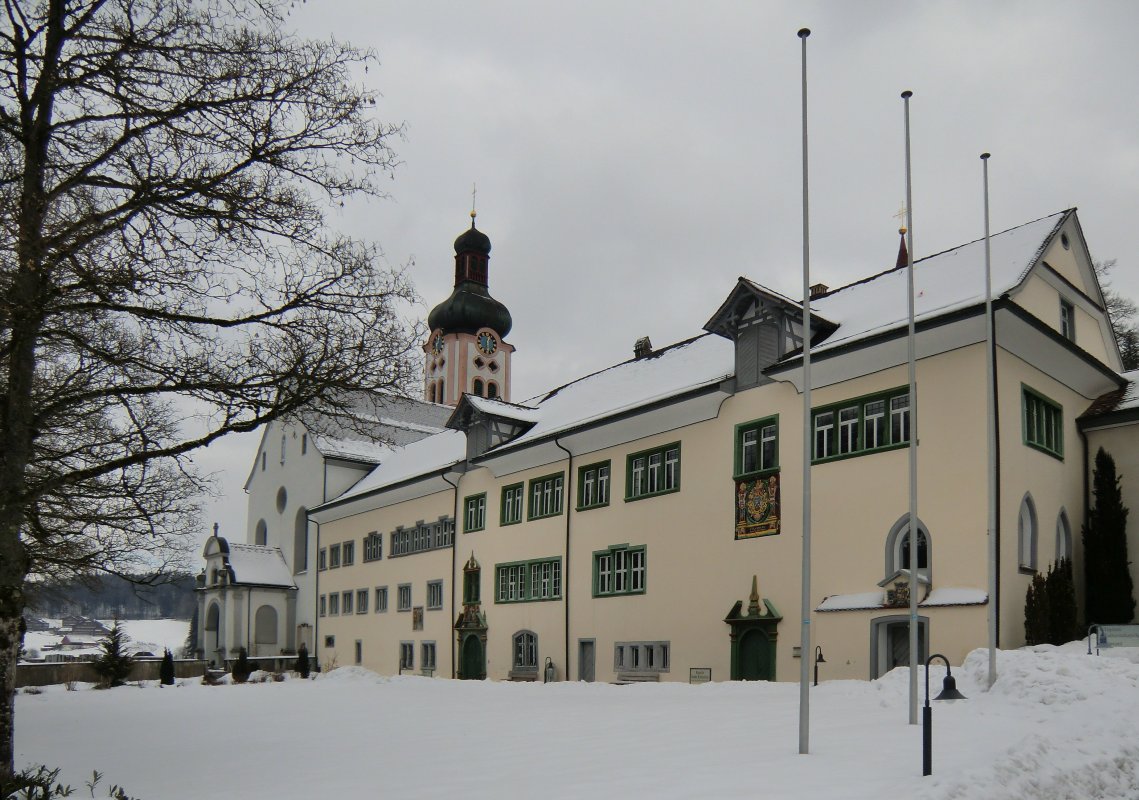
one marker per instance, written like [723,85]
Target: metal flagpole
[913,534]
[805,630]
[991,416]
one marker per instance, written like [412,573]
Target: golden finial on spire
[474,197]
[901,215]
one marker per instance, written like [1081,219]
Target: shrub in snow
[114,662]
[302,665]
[241,668]
[166,671]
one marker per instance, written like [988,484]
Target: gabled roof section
[389,420]
[429,456]
[249,564]
[1116,407]
[943,283]
[469,405]
[744,295]
[667,373]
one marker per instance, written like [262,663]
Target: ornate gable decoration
[489,423]
[765,326]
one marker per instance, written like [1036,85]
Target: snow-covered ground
[1057,724]
[150,635]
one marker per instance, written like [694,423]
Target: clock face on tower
[487,343]
[437,344]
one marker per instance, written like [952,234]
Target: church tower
[466,351]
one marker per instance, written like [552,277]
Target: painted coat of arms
[757,507]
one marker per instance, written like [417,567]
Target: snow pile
[1057,724]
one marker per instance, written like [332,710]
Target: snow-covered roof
[262,566]
[946,596]
[667,373]
[500,408]
[943,283]
[431,455]
[1109,405]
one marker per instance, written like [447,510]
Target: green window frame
[862,425]
[653,472]
[528,581]
[757,447]
[1042,422]
[546,496]
[593,485]
[474,513]
[510,512]
[620,570]
[1067,320]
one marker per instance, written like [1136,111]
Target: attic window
[1065,241]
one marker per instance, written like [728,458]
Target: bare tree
[1121,312]
[166,276]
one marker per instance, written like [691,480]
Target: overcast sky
[633,157]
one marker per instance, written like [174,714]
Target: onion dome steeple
[470,306]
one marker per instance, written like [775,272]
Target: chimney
[642,347]
[818,290]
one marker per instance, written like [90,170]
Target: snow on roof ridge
[1039,250]
[656,353]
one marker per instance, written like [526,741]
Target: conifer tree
[114,663]
[1107,572]
[166,672]
[1061,603]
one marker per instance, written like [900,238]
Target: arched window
[283,448]
[1026,535]
[491,389]
[431,392]
[300,541]
[261,534]
[898,549]
[525,652]
[265,625]
[1063,536]
[477,387]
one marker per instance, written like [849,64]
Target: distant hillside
[108,597]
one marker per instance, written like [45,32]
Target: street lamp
[948,692]
[818,660]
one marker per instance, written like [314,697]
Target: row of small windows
[650,473]
[356,601]
[479,388]
[862,425]
[522,581]
[404,541]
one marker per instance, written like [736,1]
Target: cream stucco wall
[695,568]
[381,632]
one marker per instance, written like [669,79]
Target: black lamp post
[818,660]
[948,692]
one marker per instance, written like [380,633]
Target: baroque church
[643,523]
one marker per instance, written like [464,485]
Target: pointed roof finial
[215,529]
[753,598]
[474,197]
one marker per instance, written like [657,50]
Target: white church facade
[644,522]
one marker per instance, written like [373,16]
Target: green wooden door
[474,666]
[757,657]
